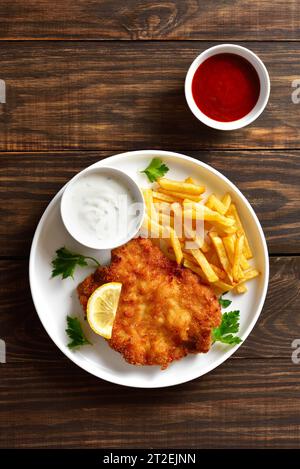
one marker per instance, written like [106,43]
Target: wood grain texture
[271,338]
[97,77]
[243,403]
[252,400]
[269,179]
[140,19]
[129,95]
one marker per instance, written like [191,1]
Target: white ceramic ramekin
[108,242]
[264,86]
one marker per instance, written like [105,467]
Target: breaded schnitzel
[164,311]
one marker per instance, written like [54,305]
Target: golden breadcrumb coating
[164,312]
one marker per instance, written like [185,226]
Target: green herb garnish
[75,333]
[224,303]
[155,170]
[229,326]
[65,262]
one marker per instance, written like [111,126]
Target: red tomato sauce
[225,87]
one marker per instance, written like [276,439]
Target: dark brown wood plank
[139,19]
[272,336]
[129,95]
[269,179]
[243,403]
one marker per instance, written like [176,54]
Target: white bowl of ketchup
[227,87]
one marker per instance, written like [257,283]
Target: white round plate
[54,298]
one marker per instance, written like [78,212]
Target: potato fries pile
[206,237]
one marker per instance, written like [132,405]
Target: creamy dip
[102,208]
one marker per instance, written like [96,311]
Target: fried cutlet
[164,312]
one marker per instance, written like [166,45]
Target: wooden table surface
[86,79]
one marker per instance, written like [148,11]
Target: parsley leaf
[229,326]
[156,169]
[75,333]
[65,262]
[224,303]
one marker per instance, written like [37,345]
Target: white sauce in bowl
[102,208]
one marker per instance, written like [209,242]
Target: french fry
[222,255]
[223,286]
[226,201]
[212,215]
[244,263]
[220,273]
[221,229]
[180,195]
[201,212]
[151,228]
[238,250]
[229,243]
[165,207]
[162,196]
[176,212]
[177,186]
[249,274]
[187,255]
[195,268]
[241,288]
[166,220]
[197,241]
[215,204]
[233,211]
[205,245]
[154,229]
[213,257]
[192,236]
[157,201]
[176,246]
[168,252]
[173,212]
[205,265]
[147,193]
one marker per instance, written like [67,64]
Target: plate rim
[227,354]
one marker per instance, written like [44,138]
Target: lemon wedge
[102,307]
